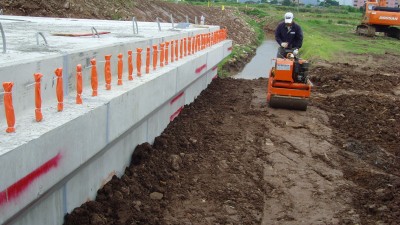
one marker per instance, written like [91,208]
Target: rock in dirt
[98,219]
[176,161]
[67,5]
[156,196]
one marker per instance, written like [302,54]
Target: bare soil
[229,159]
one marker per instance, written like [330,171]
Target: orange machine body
[373,16]
[379,18]
[282,84]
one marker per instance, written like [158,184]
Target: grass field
[328,32]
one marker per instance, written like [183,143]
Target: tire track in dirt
[304,187]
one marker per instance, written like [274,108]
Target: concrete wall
[58,164]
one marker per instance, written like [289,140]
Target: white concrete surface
[57,164]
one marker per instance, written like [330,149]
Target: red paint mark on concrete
[16,189]
[198,70]
[214,68]
[173,116]
[176,98]
[230,49]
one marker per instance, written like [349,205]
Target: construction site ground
[230,159]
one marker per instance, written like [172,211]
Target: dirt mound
[362,101]
[143,10]
[195,172]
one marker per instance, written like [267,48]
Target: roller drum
[286,102]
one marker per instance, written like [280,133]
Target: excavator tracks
[366,30]
[393,32]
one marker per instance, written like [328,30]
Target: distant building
[346,2]
[309,2]
[389,3]
[247,1]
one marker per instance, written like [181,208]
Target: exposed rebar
[158,23]
[44,38]
[172,21]
[94,32]
[135,26]
[4,39]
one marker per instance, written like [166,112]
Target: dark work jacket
[294,37]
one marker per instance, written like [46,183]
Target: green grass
[327,38]
[329,32]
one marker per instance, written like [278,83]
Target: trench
[261,63]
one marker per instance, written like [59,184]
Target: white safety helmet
[289,17]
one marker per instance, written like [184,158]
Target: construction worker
[289,35]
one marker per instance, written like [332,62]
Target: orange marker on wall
[214,38]
[107,72]
[198,43]
[130,65]
[139,61]
[181,49]
[162,54]
[8,106]
[38,97]
[147,60]
[193,44]
[166,52]
[201,38]
[120,68]
[176,50]
[59,89]
[78,84]
[184,47]
[155,57]
[172,52]
[94,80]
[189,45]
[203,41]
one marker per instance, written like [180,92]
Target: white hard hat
[289,17]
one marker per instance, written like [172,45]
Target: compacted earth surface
[230,159]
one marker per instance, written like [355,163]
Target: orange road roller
[288,83]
